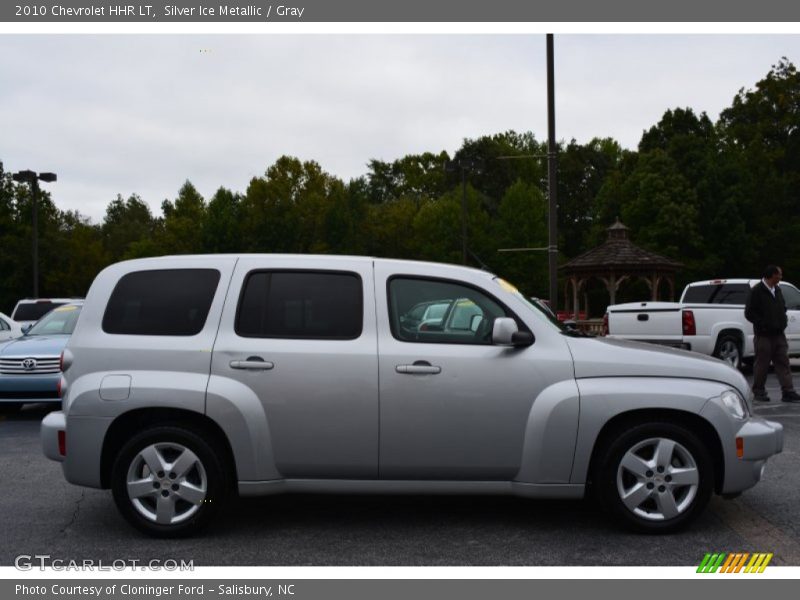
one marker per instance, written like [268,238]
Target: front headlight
[734,403]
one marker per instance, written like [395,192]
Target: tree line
[721,197]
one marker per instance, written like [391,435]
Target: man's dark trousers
[771,348]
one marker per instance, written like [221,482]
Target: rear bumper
[84,438]
[51,425]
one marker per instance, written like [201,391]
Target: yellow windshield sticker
[507,286]
[65,308]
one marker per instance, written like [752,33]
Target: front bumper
[746,446]
[760,439]
[29,388]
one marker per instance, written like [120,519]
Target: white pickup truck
[709,318]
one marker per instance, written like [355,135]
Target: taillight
[66,360]
[62,443]
[605,324]
[58,387]
[689,326]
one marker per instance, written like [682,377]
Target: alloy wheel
[166,483]
[657,479]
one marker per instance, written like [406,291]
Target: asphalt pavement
[40,513]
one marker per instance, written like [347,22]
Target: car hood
[604,357]
[37,345]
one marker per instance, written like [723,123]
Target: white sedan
[9,329]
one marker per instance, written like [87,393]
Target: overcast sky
[141,114]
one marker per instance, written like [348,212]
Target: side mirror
[26,328]
[506,333]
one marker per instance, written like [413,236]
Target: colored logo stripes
[735,562]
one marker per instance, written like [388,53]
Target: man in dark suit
[766,310]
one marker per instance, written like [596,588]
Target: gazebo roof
[618,253]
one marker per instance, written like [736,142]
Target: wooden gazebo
[614,262]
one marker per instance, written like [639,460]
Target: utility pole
[552,179]
[32,179]
[463,216]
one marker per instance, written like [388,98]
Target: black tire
[648,516]
[729,349]
[209,468]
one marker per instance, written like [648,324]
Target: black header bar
[340,11]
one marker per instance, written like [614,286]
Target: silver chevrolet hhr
[191,378]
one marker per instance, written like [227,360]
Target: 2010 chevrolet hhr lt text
[191,378]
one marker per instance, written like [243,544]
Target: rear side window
[33,311]
[700,294]
[162,302]
[301,305]
[729,293]
[732,293]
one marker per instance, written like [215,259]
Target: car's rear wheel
[169,481]
[656,478]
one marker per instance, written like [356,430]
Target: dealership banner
[420,589]
[338,11]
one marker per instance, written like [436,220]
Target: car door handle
[420,367]
[252,362]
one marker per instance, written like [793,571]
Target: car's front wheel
[656,477]
[169,481]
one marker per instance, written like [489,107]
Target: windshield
[59,321]
[538,305]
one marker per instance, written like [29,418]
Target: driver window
[435,311]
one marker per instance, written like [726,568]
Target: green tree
[183,222]
[415,175]
[82,256]
[582,171]
[505,158]
[126,223]
[522,223]
[660,207]
[223,223]
[390,229]
[761,136]
[437,228]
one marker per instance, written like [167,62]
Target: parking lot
[42,514]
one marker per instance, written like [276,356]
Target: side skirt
[347,486]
